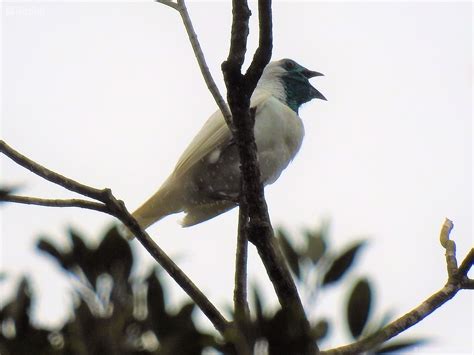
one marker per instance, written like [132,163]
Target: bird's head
[289,81]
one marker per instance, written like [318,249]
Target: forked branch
[110,205]
[458,279]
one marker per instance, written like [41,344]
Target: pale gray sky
[110,94]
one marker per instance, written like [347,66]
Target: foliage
[116,313]
[317,268]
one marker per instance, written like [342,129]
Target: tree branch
[263,54]
[239,33]
[52,176]
[241,307]
[26,200]
[457,280]
[169,3]
[239,90]
[180,6]
[466,264]
[117,208]
[219,322]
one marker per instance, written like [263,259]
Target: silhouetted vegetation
[117,313]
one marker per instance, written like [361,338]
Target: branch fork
[457,280]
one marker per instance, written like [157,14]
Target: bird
[206,179]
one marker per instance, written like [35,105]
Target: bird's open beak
[311,74]
[314,92]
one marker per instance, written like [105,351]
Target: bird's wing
[212,135]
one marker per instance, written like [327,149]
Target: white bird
[206,179]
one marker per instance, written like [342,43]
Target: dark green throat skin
[297,87]
[298,91]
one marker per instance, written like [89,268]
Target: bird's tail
[158,206]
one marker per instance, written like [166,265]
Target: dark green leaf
[80,250]
[320,330]
[341,264]
[399,345]
[47,247]
[83,256]
[156,304]
[358,307]
[18,309]
[186,311]
[316,246]
[114,255]
[285,333]
[290,253]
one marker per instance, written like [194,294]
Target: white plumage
[206,179]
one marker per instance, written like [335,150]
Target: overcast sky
[110,94]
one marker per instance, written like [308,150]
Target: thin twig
[47,202]
[180,6]
[449,246]
[467,263]
[171,4]
[454,284]
[399,325]
[50,175]
[117,209]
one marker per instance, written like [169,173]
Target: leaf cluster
[317,268]
[117,313]
[114,313]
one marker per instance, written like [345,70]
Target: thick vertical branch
[263,53]
[241,308]
[239,90]
[239,33]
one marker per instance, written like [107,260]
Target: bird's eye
[289,64]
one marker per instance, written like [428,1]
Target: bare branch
[467,263]
[117,208]
[239,33]
[445,231]
[90,205]
[180,6]
[51,175]
[449,246]
[263,53]
[219,322]
[457,280]
[400,325]
[171,4]
[241,307]
[468,285]
[259,230]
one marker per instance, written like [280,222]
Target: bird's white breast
[278,133]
